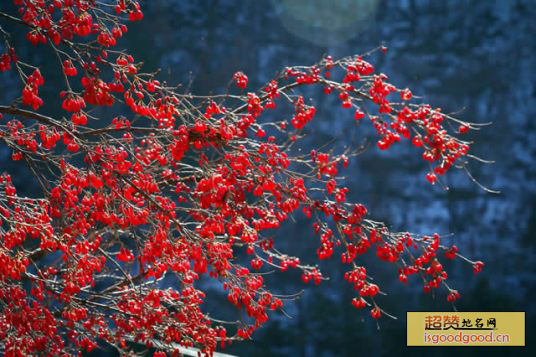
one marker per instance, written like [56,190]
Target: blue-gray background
[475,57]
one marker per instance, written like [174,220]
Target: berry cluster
[195,190]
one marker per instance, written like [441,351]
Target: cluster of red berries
[73,103]
[30,93]
[241,80]
[5,62]
[304,114]
[69,69]
[184,196]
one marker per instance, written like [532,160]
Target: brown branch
[13,18]
[28,114]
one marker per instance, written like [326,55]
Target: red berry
[376,312]
[241,80]
[432,178]
[463,129]
[477,267]
[359,114]
[453,296]
[359,303]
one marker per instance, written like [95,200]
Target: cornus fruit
[197,190]
[241,80]
[73,103]
[376,313]
[432,178]
[453,296]
[31,90]
[69,69]
[463,129]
